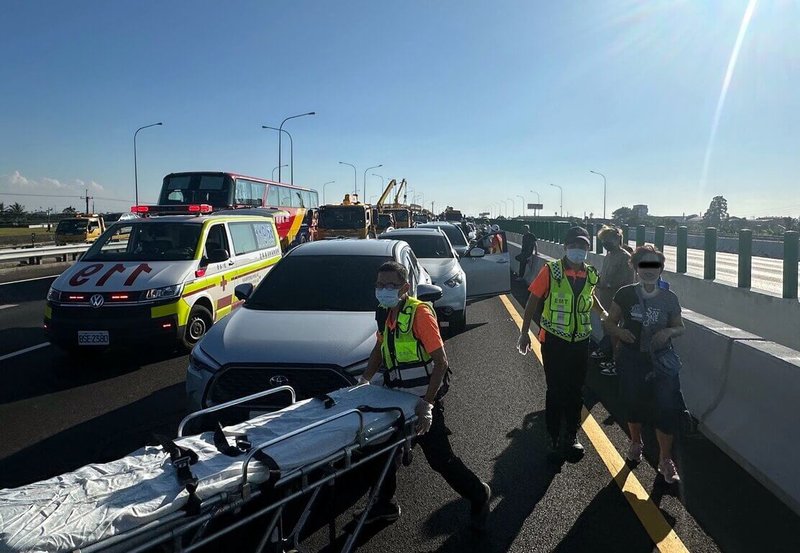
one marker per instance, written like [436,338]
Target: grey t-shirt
[659,310]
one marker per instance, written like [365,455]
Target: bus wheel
[200,320]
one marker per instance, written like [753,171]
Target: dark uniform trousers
[565,365]
[441,458]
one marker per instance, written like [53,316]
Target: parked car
[310,323]
[454,234]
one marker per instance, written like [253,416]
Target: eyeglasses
[650,265]
[388,286]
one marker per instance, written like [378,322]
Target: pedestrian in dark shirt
[529,249]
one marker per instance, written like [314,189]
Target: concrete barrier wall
[729,244]
[741,387]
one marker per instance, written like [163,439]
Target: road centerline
[653,521]
[23,351]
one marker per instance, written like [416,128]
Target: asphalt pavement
[58,414]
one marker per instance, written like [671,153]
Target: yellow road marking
[662,534]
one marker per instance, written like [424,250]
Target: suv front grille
[235,382]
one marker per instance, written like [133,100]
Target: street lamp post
[135,165]
[280,135]
[538,200]
[521,197]
[383,181]
[355,176]
[604,192]
[561,203]
[512,205]
[278,169]
[291,149]
[323,190]
[364,188]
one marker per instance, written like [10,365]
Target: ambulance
[160,279]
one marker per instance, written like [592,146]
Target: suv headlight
[456,280]
[201,361]
[53,294]
[161,293]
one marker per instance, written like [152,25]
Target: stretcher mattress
[98,501]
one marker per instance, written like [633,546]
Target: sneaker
[572,446]
[479,512]
[667,469]
[608,368]
[382,511]
[634,451]
[598,354]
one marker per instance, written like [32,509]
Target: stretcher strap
[243,445]
[182,458]
[399,431]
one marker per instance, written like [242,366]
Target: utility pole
[87,197]
[433,212]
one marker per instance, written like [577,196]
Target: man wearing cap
[563,293]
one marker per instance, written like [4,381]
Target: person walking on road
[529,249]
[651,317]
[563,292]
[615,273]
[411,351]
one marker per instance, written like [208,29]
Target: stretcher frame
[186,532]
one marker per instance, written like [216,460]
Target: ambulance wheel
[200,320]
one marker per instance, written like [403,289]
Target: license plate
[93,338]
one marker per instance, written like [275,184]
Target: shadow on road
[521,476]
[51,370]
[102,439]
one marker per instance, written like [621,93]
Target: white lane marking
[22,351]
[8,306]
[28,280]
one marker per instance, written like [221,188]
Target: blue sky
[473,102]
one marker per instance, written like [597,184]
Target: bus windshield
[196,188]
[341,217]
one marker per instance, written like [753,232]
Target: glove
[424,412]
[361,380]
[524,343]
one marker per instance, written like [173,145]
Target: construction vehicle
[349,219]
[401,212]
[450,214]
[81,228]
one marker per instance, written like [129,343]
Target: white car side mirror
[476,252]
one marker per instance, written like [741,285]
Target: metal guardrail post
[659,238]
[745,258]
[625,234]
[790,257]
[640,230]
[683,241]
[710,254]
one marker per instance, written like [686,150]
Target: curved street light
[323,189]
[280,135]
[135,165]
[521,197]
[355,176]
[278,169]
[561,206]
[604,192]
[364,189]
[383,181]
[512,205]
[291,148]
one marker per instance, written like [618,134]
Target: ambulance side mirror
[218,256]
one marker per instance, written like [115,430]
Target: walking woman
[648,368]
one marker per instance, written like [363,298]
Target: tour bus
[230,191]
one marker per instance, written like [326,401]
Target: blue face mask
[577,255]
[387,298]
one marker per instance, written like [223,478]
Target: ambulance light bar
[189,209]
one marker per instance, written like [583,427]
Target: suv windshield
[384,220]
[146,241]
[319,283]
[72,225]
[424,247]
[341,217]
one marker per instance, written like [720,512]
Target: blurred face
[610,241]
[577,251]
[649,268]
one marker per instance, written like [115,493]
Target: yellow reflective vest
[564,315]
[408,365]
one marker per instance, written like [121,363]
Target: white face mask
[387,298]
[577,255]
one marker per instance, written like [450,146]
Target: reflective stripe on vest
[563,315]
[408,365]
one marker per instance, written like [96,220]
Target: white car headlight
[53,294]
[455,280]
[164,292]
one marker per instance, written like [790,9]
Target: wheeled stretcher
[187,493]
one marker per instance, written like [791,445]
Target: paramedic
[563,292]
[410,350]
